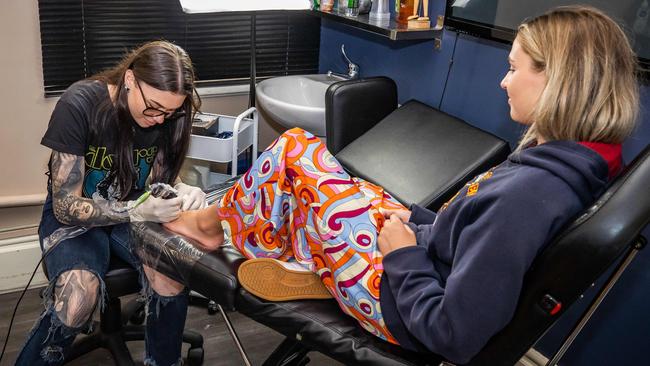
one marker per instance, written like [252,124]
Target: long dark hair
[166,67]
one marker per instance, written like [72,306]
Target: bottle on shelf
[403,10]
[352,9]
[341,6]
[326,5]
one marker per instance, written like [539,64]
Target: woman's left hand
[395,235]
[193,197]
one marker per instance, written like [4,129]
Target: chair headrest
[595,239]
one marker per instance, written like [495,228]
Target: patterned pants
[296,203]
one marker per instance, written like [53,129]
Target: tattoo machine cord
[17,303]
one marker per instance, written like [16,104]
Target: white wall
[25,111]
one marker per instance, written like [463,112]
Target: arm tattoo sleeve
[70,207]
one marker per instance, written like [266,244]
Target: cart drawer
[216,149]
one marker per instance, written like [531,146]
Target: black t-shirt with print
[81,107]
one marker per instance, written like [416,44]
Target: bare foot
[200,225]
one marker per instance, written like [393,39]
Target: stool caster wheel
[195,356]
[212,307]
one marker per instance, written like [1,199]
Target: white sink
[296,101]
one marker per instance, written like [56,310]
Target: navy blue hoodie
[460,284]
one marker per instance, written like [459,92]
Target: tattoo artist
[110,136]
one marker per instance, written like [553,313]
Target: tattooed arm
[67,172]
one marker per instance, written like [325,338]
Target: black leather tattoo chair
[423,156]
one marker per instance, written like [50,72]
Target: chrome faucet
[353,69]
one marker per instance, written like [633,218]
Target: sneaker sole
[268,279]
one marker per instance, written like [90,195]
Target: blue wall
[619,332]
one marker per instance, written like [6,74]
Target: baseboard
[18,258]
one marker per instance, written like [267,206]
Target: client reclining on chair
[442,282]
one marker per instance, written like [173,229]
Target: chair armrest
[352,107]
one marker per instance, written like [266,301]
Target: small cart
[214,144]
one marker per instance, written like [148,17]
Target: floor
[220,350]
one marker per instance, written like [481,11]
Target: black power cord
[451,63]
[253,70]
[13,316]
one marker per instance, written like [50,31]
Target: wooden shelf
[388,28]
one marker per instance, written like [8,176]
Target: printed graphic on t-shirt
[98,171]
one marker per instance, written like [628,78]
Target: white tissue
[212,6]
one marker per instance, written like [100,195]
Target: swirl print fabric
[296,203]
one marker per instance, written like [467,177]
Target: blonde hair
[591,93]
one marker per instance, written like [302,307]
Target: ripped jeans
[51,336]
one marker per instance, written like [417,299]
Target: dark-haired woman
[110,135]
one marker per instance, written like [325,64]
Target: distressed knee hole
[52,354]
[75,297]
[161,284]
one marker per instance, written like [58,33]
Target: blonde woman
[442,282]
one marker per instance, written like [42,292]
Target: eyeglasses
[155,112]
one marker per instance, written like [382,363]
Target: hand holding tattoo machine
[159,204]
